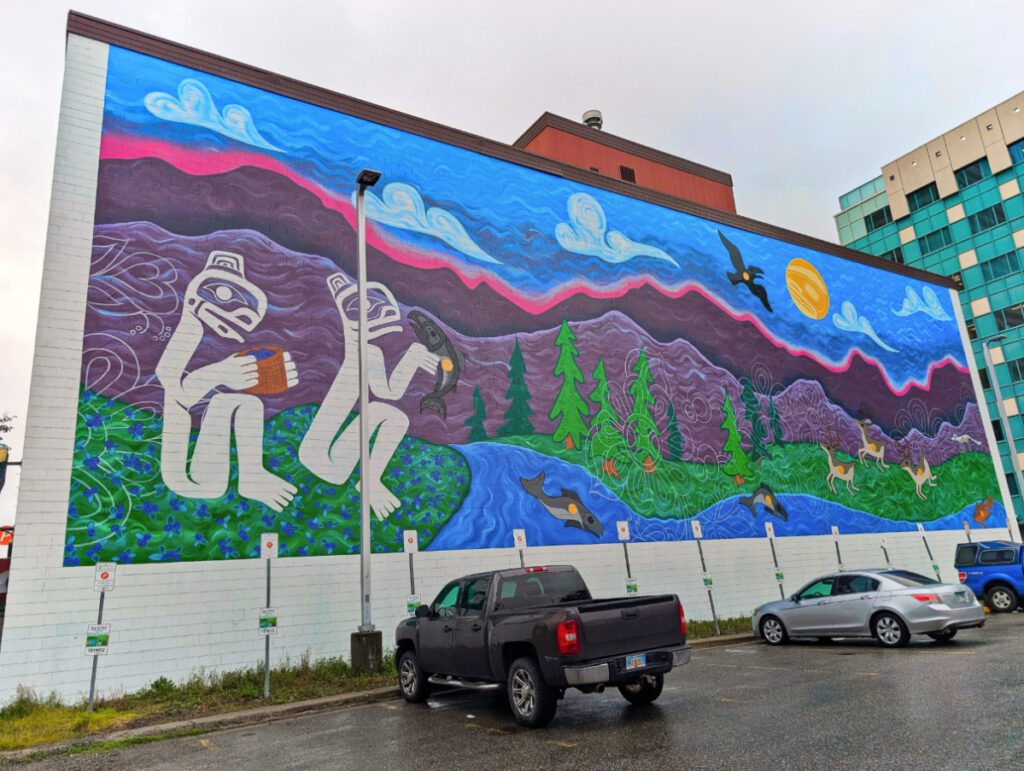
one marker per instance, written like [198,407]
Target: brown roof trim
[115,34]
[551,120]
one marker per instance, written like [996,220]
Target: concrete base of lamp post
[367,650]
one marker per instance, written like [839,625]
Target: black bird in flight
[745,274]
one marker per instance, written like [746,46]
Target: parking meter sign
[412,601]
[104,577]
[695,527]
[835,531]
[411,541]
[769,529]
[519,538]
[622,526]
[97,639]
[920,528]
[268,546]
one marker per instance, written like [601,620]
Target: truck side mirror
[423,611]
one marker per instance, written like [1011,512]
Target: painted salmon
[449,369]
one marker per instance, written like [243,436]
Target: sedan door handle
[446,628]
[476,627]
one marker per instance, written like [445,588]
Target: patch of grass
[699,630]
[29,721]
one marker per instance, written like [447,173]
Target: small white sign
[97,639]
[883,543]
[412,601]
[268,622]
[769,529]
[695,526]
[268,546]
[623,528]
[920,528]
[411,541]
[708,582]
[104,578]
[519,538]
[967,527]
[835,531]
[631,587]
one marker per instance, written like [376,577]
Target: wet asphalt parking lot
[848,704]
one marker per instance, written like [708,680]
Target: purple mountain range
[140,270]
[264,201]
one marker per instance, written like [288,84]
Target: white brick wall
[173,619]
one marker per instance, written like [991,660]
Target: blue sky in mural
[499,220]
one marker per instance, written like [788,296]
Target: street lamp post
[367,642]
[1003,419]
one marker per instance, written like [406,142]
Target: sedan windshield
[907,578]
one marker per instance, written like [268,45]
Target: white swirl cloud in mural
[927,302]
[587,232]
[849,320]
[194,105]
[401,206]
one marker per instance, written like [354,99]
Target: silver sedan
[889,605]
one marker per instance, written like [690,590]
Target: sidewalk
[258,715]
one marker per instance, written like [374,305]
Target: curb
[214,722]
[727,639]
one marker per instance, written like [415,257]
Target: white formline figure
[332,455]
[222,299]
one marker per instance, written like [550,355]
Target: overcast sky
[799,101]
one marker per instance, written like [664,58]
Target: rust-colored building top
[585,147]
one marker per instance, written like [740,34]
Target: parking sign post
[927,548]
[769,530]
[103,582]
[519,540]
[268,550]
[411,544]
[967,531]
[622,528]
[698,535]
[835,538]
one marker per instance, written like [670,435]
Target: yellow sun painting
[807,288]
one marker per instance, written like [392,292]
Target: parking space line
[557,743]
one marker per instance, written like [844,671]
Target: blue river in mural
[498,503]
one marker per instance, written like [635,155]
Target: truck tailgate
[616,627]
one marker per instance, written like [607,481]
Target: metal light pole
[367,178]
[1003,420]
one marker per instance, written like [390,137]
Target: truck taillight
[536,570]
[962,577]
[568,638]
[926,597]
[682,618]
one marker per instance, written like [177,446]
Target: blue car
[993,570]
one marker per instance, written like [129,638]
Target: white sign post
[769,529]
[268,615]
[519,539]
[411,544]
[698,534]
[622,529]
[102,582]
[927,548]
[835,539]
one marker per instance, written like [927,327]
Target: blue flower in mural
[288,529]
[92,463]
[329,546]
[202,512]
[108,445]
[223,521]
[166,555]
[72,511]
[125,557]
[136,430]
[199,540]
[149,508]
[268,520]
[177,504]
[302,551]
[243,534]
[91,491]
[142,540]
[91,530]
[226,549]
[95,420]
[172,526]
[93,554]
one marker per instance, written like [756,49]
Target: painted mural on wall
[543,355]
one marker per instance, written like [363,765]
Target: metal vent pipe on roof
[594,119]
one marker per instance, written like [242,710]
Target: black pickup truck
[538,630]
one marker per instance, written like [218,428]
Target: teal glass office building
[953,206]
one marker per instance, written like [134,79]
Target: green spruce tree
[673,439]
[477,430]
[606,441]
[752,410]
[640,424]
[517,416]
[738,464]
[570,409]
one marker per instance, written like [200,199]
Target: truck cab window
[444,605]
[474,596]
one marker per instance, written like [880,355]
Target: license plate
[637,661]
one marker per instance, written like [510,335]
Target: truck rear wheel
[412,681]
[643,691]
[532,700]
[1001,599]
